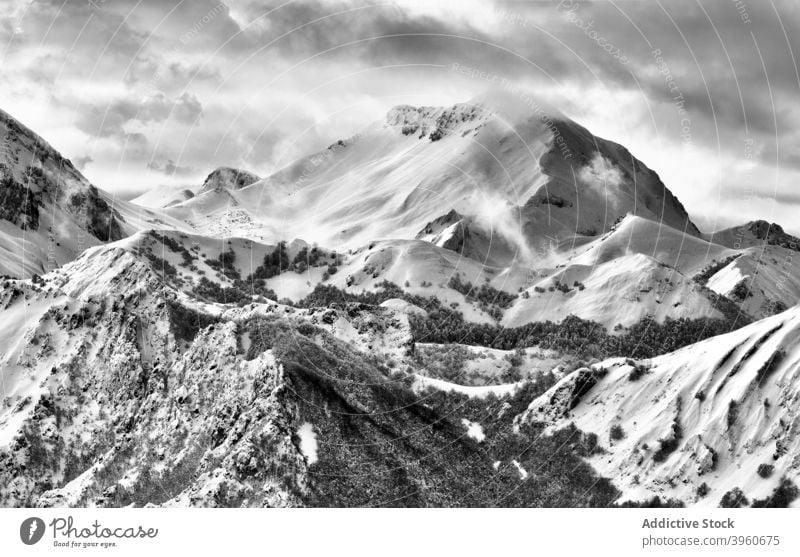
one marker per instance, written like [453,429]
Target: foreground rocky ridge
[132,393]
[120,389]
[716,417]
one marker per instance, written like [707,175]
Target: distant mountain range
[443,299]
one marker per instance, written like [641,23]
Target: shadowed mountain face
[35,177]
[47,203]
[50,213]
[593,183]
[754,234]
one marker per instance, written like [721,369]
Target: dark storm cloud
[361,33]
[714,56]
[74,27]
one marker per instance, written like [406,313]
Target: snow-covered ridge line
[696,423]
[421,383]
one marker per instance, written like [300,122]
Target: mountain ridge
[50,211]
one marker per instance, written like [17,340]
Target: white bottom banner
[387,532]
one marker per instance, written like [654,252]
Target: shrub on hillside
[734,499]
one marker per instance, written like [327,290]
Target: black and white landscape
[476,303]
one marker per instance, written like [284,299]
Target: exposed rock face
[434,123]
[132,393]
[448,231]
[773,234]
[20,204]
[50,203]
[138,398]
[758,233]
[35,175]
[228,178]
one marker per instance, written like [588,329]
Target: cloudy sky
[151,92]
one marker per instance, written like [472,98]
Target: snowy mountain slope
[498,184]
[465,236]
[639,268]
[533,197]
[222,178]
[130,392]
[516,174]
[490,240]
[122,384]
[186,260]
[620,291]
[707,415]
[164,196]
[100,378]
[762,280]
[643,268]
[49,212]
[635,235]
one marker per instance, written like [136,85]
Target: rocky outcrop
[225,178]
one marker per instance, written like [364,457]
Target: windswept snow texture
[711,413]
